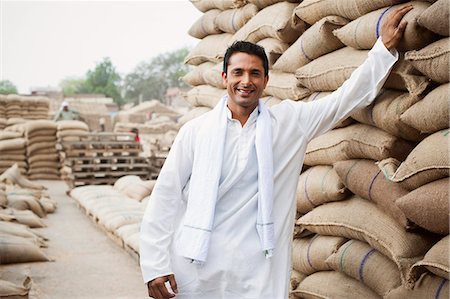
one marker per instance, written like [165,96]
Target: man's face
[245,80]
[66,108]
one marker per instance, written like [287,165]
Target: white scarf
[204,185]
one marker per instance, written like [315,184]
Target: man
[220,219]
[65,113]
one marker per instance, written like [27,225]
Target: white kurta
[236,266]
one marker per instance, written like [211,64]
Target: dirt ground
[87,264]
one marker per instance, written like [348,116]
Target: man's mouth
[245,91]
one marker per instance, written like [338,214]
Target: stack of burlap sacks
[23,204]
[373,199]
[15,108]
[117,209]
[12,151]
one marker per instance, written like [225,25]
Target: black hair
[249,48]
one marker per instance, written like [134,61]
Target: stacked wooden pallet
[102,158]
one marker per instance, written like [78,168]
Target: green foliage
[71,85]
[103,79]
[151,79]
[7,87]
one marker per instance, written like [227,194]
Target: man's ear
[224,78]
[266,79]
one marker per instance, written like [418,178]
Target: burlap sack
[48,164]
[284,86]
[431,114]
[385,112]
[361,262]
[432,60]
[37,139]
[312,11]
[34,147]
[436,261]
[318,185]
[264,3]
[45,150]
[270,101]
[331,284]
[211,48]
[132,241]
[428,286]
[205,25]
[115,221]
[231,20]
[309,254]
[71,124]
[274,48]
[363,32]
[19,250]
[328,72]
[205,5]
[428,161]
[43,132]
[12,144]
[213,76]
[4,135]
[316,41]
[296,278]
[128,230]
[38,125]
[436,18]
[9,163]
[25,202]
[48,204]
[25,217]
[196,112]
[204,95]
[273,21]
[22,231]
[365,179]
[134,187]
[195,76]
[13,176]
[43,157]
[15,286]
[360,219]
[428,206]
[42,170]
[356,141]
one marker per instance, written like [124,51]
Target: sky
[44,42]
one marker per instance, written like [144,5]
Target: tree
[103,79]
[7,87]
[150,80]
[71,85]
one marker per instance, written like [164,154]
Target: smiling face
[245,81]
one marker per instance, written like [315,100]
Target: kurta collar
[251,119]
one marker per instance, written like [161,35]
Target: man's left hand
[392,30]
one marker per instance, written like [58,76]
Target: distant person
[66,113]
[136,134]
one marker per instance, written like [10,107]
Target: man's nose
[245,79]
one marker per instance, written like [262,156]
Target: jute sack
[3,199]
[15,249]
[14,286]
[264,3]
[132,241]
[48,164]
[25,202]
[195,76]
[114,222]
[431,114]
[363,32]
[385,112]
[314,42]
[43,157]
[205,5]
[296,278]
[312,11]
[436,261]
[134,187]
[231,20]
[43,170]
[356,141]
[274,48]
[196,112]
[205,25]
[44,176]
[331,284]
[428,206]
[363,263]
[213,76]
[34,147]
[436,18]
[71,124]
[71,132]
[46,150]
[427,162]
[360,219]
[318,185]
[309,254]
[37,125]
[205,95]
[22,231]
[13,175]
[128,230]
[42,139]
[48,204]
[12,144]
[8,163]
[428,286]
[43,132]
[432,60]
[211,48]
[329,72]
[365,179]
[25,217]
[270,101]
[273,21]
[4,135]
[284,86]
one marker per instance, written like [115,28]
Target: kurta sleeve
[157,227]
[357,92]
